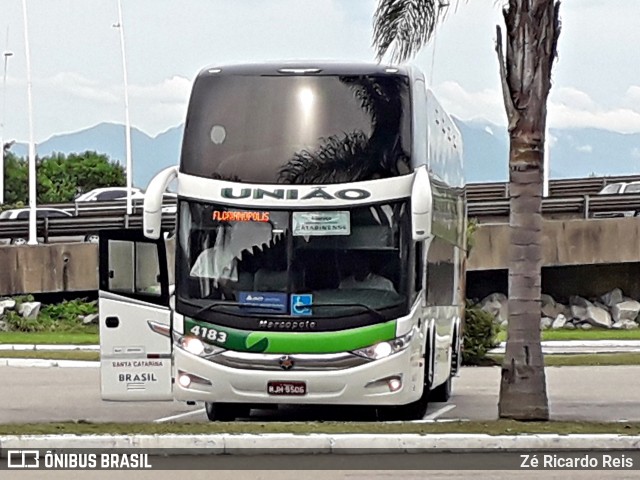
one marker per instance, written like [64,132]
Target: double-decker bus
[318,255]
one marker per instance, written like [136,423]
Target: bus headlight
[193,345]
[385,349]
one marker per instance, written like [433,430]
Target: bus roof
[308,67]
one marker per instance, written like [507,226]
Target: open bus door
[135,317]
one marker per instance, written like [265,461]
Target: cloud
[77,86]
[623,120]
[585,149]
[485,104]
[633,95]
[568,107]
[573,98]
[171,90]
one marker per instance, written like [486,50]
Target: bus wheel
[442,393]
[225,412]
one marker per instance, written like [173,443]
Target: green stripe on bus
[291,342]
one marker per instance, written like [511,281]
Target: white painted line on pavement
[431,417]
[180,415]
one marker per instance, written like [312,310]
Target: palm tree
[403,27]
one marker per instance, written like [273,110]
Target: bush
[480,334]
[60,317]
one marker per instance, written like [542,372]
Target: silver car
[23,214]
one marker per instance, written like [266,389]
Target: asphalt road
[69,394]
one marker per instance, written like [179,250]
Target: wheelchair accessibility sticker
[301,304]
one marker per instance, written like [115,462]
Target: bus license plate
[286,388]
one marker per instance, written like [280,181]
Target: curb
[584,346]
[20,347]
[37,362]
[255,444]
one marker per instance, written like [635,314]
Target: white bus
[318,254]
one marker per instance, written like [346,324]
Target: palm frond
[405,26]
[337,159]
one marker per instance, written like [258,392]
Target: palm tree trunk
[523,393]
[532,30]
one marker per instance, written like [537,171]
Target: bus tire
[442,393]
[225,412]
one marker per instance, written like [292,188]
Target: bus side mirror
[153,198]
[421,205]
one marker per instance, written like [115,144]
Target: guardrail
[585,206]
[81,226]
[484,200]
[557,188]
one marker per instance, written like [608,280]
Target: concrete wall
[566,242]
[48,268]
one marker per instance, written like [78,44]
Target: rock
[586,326]
[4,326]
[29,310]
[545,323]
[612,297]
[550,308]
[7,304]
[585,311]
[497,305]
[627,310]
[504,324]
[1,311]
[91,319]
[569,326]
[559,322]
[625,325]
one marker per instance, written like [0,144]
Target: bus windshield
[298,129]
[294,263]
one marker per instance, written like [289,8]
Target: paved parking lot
[69,394]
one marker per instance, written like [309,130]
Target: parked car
[108,194]
[620,207]
[41,212]
[621,187]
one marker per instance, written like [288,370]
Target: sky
[77,75]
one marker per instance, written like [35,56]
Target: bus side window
[134,268]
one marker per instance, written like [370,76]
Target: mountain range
[574,153]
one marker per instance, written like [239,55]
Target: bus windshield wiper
[230,303]
[379,316]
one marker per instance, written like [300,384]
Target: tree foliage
[60,177]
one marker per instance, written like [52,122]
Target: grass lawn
[498,427]
[582,360]
[50,338]
[595,334]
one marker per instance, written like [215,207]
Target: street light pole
[6,56]
[33,237]
[127,126]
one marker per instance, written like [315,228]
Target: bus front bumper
[394,380]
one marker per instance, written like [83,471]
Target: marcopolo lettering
[287,325]
[294,194]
